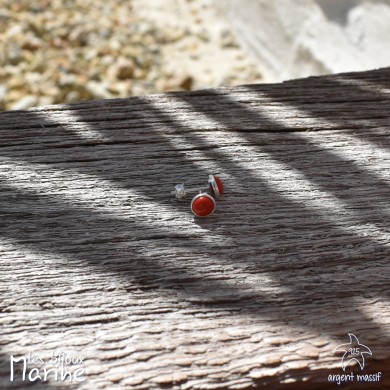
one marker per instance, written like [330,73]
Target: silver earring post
[181,191]
[215,186]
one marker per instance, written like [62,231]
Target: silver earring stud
[215,186]
[203,205]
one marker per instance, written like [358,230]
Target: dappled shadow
[259,228]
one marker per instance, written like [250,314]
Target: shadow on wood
[99,258]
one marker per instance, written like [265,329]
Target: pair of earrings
[203,204]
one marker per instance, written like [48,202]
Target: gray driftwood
[97,258]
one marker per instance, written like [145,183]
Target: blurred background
[61,51]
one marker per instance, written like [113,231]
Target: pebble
[24,102]
[65,51]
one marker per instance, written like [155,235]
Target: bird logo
[353,351]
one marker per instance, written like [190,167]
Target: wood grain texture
[97,258]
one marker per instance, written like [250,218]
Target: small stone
[186,82]
[227,40]
[25,102]
[31,43]
[125,69]
[72,96]
[3,91]
[45,101]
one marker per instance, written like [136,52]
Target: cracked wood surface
[98,259]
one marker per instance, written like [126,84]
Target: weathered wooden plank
[98,259]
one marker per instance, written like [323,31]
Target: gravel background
[60,51]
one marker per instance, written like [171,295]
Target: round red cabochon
[203,205]
[219,184]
